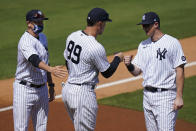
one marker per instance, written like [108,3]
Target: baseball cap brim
[39,19]
[144,23]
[109,20]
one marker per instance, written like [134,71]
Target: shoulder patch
[183,58]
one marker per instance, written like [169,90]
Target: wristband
[130,67]
[51,85]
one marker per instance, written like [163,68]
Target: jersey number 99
[74,50]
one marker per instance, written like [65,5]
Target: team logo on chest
[161,54]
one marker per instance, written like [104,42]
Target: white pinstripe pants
[81,105]
[29,101]
[158,110]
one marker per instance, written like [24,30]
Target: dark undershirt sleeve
[113,66]
[35,60]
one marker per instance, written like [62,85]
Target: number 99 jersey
[85,57]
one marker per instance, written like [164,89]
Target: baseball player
[161,60]
[85,58]
[30,93]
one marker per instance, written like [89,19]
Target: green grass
[188,112]
[126,100]
[134,100]
[65,16]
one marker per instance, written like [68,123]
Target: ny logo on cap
[39,12]
[143,17]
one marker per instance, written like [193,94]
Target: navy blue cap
[35,15]
[98,14]
[149,18]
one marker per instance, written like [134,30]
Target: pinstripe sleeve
[178,55]
[99,58]
[27,47]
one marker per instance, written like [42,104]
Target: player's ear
[98,25]
[156,24]
[29,24]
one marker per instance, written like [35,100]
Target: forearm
[113,66]
[36,61]
[44,66]
[180,80]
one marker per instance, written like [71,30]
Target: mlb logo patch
[183,58]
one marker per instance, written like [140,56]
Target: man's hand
[120,55]
[178,103]
[58,71]
[51,92]
[128,59]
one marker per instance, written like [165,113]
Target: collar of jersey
[84,33]
[158,39]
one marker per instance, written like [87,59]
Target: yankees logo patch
[161,54]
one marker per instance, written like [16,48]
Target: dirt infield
[109,118]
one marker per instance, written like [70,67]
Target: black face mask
[38,28]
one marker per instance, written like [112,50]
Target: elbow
[134,74]
[34,60]
[106,76]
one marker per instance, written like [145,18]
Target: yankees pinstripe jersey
[27,46]
[158,61]
[85,57]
